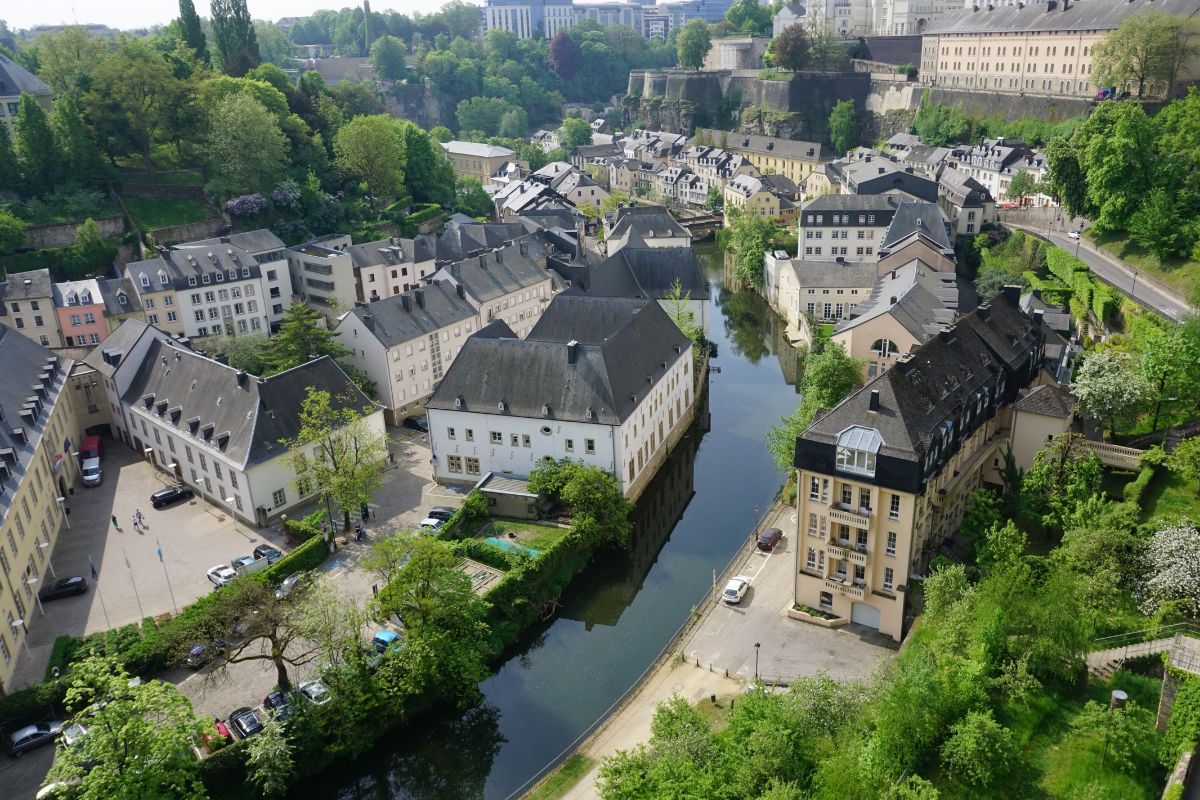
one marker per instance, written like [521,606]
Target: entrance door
[865,614]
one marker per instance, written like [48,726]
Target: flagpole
[158,549]
[133,583]
[96,580]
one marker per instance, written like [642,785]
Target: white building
[334,274]
[215,428]
[605,381]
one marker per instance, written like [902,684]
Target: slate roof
[392,250]
[112,289]
[640,223]
[256,413]
[32,285]
[401,318]
[819,274]
[647,272]
[931,386]
[921,300]
[1086,15]
[1048,401]
[15,79]
[517,265]
[852,202]
[767,145]
[255,242]
[962,189]
[621,343]
[922,219]
[89,288]
[119,344]
[477,149]
[24,362]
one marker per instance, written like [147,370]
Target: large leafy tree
[12,230]
[1146,48]
[471,199]
[67,57]
[1064,474]
[337,452]
[842,126]
[302,337]
[138,741]
[829,375]
[10,168]
[790,49]
[245,148]
[749,16]
[129,103]
[429,175]
[598,507]
[1169,364]
[1171,575]
[1118,154]
[563,56]
[1161,225]
[388,57]
[692,43]
[82,163]
[191,31]
[1109,387]
[1185,460]
[575,132]
[236,40]
[1067,179]
[371,149]
[40,158]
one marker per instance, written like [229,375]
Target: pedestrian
[136,527]
[141,520]
[115,525]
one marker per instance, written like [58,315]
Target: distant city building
[544,18]
[14,81]
[476,160]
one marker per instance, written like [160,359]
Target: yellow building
[38,469]
[769,196]
[770,155]
[476,160]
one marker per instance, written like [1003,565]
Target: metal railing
[1144,635]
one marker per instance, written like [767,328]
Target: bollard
[712,697]
[727,672]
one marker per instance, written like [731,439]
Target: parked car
[288,584]
[735,590]
[242,561]
[315,692]
[245,722]
[92,474]
[73,733]
[198,656]
[31,737]
[175,494]
[443,513]
[221,574]
[63,587]
[58,789]
[278,703]
[769,538]
[268,552]
[417,424]
[1072,234]
[432,524]
[384,642]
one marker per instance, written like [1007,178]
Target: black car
[245,722]
[175,494]
[66,587]
[769,538]
[268,552]
[279,703]
[443,513]
[417,424]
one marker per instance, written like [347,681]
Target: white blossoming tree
[1172,569]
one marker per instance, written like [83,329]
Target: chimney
[1012,294]
[873,403]
[892,300]
[1038,317]
[419,294]
[500,255]
[19,433]
[483,262]
[946,334]
[984,311]
[461,291]
[406,300]
[241,378]
[572,351]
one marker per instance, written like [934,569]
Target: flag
[158,549]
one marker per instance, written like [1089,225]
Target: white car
[221,574]
[432,524]
[315,692]
[735,590]
[1072,234]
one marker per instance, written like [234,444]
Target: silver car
[32,737]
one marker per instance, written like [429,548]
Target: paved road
[1117,274]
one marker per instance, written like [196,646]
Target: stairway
[1103,663]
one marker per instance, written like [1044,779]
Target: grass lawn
[153,213]
[716,714]
[40,214]
[1181,275]
[1171,497]
[1113,483]
[174,177]
[530,534]
[564,779]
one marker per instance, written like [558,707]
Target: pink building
[80,309]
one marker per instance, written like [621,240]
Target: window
[810,560]
[847,495]
[891,543]
[470,434]
[889,578]
[152,319]
[894,508]
[860,539]
[589,445]
[497,437]
[860,573]
[526,441]
[514,440]
[812,524]
[449,433]
[278,497]
[454,463]
[826,600]
[472,465]
[814,489]
[856,450]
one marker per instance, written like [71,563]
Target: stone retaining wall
[63,234]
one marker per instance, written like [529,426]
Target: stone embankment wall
[63,234]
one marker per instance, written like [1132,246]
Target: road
[1117,274]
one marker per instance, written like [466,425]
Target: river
[617,616]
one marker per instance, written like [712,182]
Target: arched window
[856,450]
[884,348]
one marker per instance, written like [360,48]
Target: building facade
[476,160]
[15,80]
[28,306]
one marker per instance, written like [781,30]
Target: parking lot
[194,536]
[789,648]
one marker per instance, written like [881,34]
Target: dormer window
[233,274]
[204,278]
[857,448]
[220,277]
[191,280]
[123,299]
[145,281]
[85,298]
[163,279]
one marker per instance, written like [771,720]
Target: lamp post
[1079,240]
[33,582]
[62,502]
[1133,289]
[1117,700]
[20,623]
[49,561]
[757,645]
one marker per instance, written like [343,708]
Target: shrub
[300,531]
[488,553]
[31,703]
[247,205]
[309,555]
[1134,490]
[979,750]
[151,654]
[224,772]
[467,519]
[1105,302]
[58,656]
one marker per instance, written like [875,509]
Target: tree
[1120,160]
[1128,733]
[236,40]
[829,375]
[471,199]
[842,125]
[563,56]
[130,100]
[749,236]
[749,16]
[790,50]
[1169,366]
[1170,564]
[67,57]
[371,149]
[1144,49]
[1160,226]
[192,33]
[514,124]
[599,510]
[1109,386]
[1067,180]
[388,57]
[713,199]
[691,46]
[337,452]
[138,741]
[429,175]
[12,231]
[1064,474]
[92,253]
[250,352]
[10,167]
[575,132]
[302,337]
[269,760]
[389,554]
[82,164]
[1022,185]
[482,114]
[246,150]
[1185,460]
[980,750]
[40,158]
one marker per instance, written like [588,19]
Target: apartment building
[645,226]
[120,302]
[614,389]
[884,477]
[908,17]
[1036,48]
[867,171]
[332,273]
[714,166]
[28,306]
[654,146]
[820,290]
[794,160]
[38,476]
[15,80]
[406,342]
[843,18]
[213,427]
[965,201]
[995,162]
[477,160]
[766,196]
[231,285]
[81,309]
[570,183]
[846,226]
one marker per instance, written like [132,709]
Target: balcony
[842,551]
[852,515]
[848,589]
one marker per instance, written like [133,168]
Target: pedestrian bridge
[1114,455]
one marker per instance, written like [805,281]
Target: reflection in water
[744,312]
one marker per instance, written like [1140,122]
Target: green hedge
[1053,291]
[309,555]
[31,704]
[1105,302]
[58,656]
[467,519]
[1134,490]
[488,553]
[1063,265]
[224,772]
[1183,729]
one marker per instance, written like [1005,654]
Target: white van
[91,472]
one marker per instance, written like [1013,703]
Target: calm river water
[617,616]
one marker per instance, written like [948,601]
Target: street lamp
[49,561]
[1117,700]
[757,645]
[20,623]
[62,501]
[1079,241]
[33,582]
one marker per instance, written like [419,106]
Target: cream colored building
[28,306]
[476,160]
[793,159]
[885,476]
[1035,49]
[39,476]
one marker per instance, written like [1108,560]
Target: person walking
[115,525]
[136,527]
[141,519]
